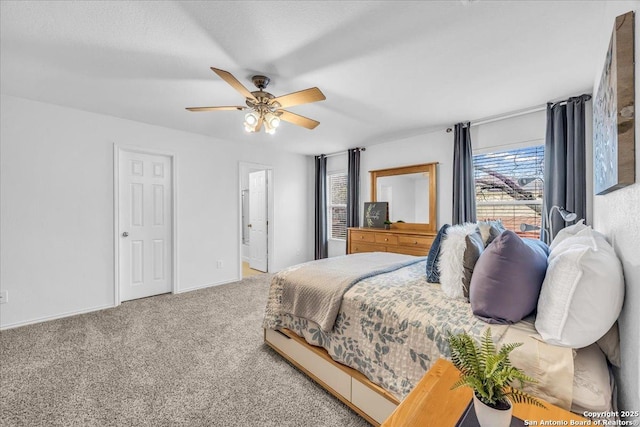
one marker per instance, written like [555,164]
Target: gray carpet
[194,359]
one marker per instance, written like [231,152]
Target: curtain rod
[344,152]
[513,114]
[518,113]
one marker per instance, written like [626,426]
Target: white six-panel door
[258,220]
[145,222]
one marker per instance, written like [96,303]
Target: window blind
[509,186]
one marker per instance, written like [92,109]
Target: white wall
[515,132]
[438,147]
[617,215]
[57,207]
[428,148]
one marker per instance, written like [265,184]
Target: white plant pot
[490,417]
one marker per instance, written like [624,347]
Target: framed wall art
[614,112]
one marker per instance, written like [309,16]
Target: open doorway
[256,211]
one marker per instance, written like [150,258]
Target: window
[337,205]
[509,186]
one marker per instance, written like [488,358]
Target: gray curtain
[564,160]
[464,193]
[321,250]
[353,188]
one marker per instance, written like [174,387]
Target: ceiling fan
[265,108]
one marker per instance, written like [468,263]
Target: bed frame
[355,390]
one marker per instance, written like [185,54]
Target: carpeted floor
[193,359]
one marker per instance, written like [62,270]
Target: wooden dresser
[401,241]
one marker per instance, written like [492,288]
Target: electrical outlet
[4,297]
[219,264]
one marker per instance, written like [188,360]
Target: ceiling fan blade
[229,108]
[228,77]
[296,119]
[302,97]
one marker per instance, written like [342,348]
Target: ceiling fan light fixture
[264,108]
[268,127]
[251,119]
[272,120]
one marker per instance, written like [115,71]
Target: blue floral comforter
[391,327]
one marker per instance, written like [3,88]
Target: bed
[390,328]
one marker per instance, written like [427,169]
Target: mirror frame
[430,168]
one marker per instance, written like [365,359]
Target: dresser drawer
[408,250]
[415,241]
[386,239]
[357,247]
[357,236]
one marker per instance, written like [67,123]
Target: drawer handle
[362,237]
[415,243]
[386,240]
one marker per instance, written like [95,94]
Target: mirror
[410,192]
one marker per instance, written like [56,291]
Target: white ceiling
[389,69]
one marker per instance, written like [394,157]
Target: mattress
[394,326]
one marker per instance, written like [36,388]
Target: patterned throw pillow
[433,271]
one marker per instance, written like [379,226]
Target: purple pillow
[507,279]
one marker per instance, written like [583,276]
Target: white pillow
[567,232]
[592,389]
[582,293]
[451,260]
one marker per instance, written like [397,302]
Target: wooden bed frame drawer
[386,239]
[362,237]
[333,377]
[357,247]
[369,400]
[376,406]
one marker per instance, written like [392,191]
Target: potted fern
[490,375]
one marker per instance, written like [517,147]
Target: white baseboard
[208,285]
[89,310]
[54,317]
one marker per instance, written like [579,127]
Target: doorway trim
[116,215]
[244,167]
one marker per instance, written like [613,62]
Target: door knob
[125,234]
[250,226]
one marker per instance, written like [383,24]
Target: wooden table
[433,403]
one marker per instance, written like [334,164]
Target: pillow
[472,252]
[457,255]
[610,345]
[582,293]
[592,389]
[567,232]
[490,230]
[433,272]
[507,279]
